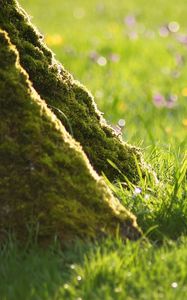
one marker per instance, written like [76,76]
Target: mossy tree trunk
[46,180]
[61,91]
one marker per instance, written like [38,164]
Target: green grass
[139,63]
[110,270]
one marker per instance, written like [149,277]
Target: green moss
[46,181]
[60,90]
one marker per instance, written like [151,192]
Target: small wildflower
[170,104]
[54,40]
[159,100]
[72,267]
[137,190]
[114,57]
[184,122]
[173,27]
[163,31]
[122,106]
[184,92]
[121,123]
[117,129]
[168,130]
[102,61]
[130,20]
[174,285]
[79,278]
[171,101]
[93,55]
[114,28]
[182,38]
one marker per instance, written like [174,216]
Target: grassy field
[132,56]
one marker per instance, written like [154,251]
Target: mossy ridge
[46,179]
[60,90]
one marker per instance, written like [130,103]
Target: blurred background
[131,55]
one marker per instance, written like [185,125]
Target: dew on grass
[174,285]
[173,27]
[102,61]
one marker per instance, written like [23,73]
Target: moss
[60,90]
[46,180]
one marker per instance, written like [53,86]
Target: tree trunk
[46,181]
[69,99]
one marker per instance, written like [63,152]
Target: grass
[117,49]
[110,270]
